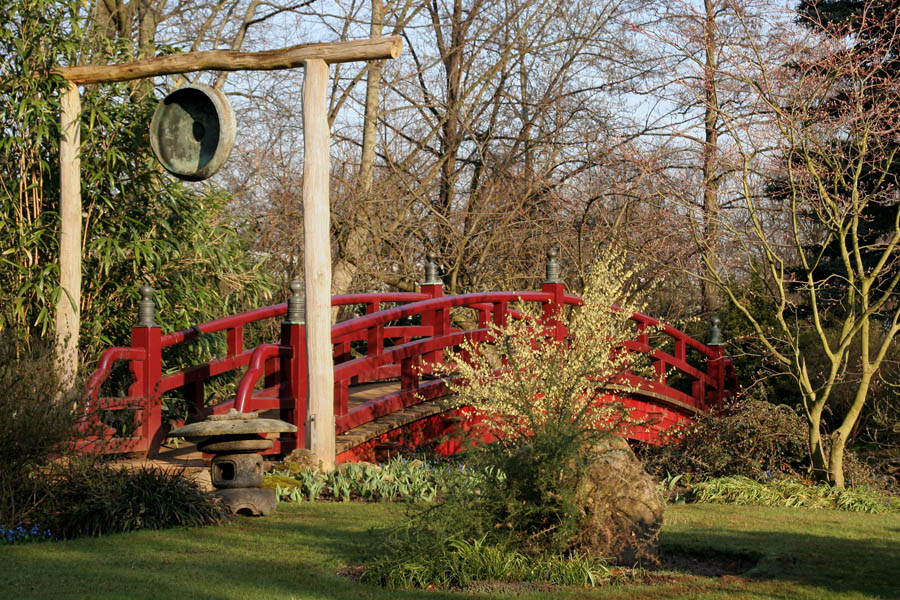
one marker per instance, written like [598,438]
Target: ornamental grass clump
[90,498]
[550,404]
[784,491]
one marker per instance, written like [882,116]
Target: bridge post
[293,396]
[438,319]
[146,373]
[715,365]
[554,286]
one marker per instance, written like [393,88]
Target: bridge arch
[385,362]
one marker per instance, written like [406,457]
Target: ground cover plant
[314,550]
[399,479]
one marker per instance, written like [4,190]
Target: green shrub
[751,437]
[92,499]
[790,492]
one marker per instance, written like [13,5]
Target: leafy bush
[751,437]
[783,491]
[36,419]
[92,499]
[48,492]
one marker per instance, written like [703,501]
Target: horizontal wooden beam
[231,60]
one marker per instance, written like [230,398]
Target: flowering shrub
[531,383]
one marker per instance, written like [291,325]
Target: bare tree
[835,164]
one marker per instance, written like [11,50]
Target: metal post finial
[146,308]
[552,266]
[715,334]
[296,311]
[431,270]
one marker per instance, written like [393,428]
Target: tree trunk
[373,88]
[353,248]
[817,457]
[710,152]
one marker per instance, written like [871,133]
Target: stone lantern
[236,469]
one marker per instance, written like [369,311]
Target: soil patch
[705,564]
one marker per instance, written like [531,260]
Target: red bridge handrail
[104,366]
[412,351]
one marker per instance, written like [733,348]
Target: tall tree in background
[696,52]
[839,149]
[872,28]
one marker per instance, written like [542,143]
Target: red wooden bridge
[385,390]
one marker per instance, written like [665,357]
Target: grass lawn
[297,553]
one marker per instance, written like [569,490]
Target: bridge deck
[369,391]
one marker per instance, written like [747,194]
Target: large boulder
[621,509]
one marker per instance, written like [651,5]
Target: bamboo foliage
[138,224]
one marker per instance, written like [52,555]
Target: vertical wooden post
[147,373]
[67,307]
[552,310]
[317,262]
[293,369]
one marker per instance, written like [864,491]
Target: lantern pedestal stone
[236,469]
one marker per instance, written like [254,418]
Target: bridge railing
[405,342]
[281,366]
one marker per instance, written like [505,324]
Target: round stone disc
[217,445]
[233,423]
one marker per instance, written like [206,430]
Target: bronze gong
[192,131]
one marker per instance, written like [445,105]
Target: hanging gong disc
[192,131]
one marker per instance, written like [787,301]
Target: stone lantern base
[252,502]
[236,470]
